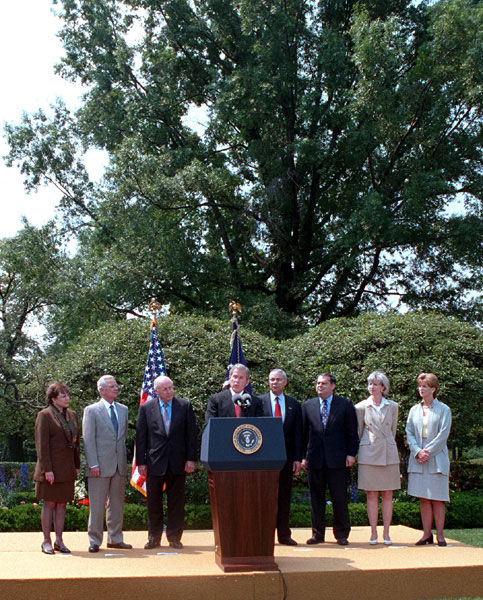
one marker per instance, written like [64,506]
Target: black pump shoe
[423,541]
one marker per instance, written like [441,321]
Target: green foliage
[31,264]
[196,350]
[334,138]
[466,476]
[403,346]
[135,518]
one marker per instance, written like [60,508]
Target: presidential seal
[247,439]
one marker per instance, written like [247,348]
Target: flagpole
[236,356]
[154,368]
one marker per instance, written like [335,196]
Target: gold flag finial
[234,307]
[154,307]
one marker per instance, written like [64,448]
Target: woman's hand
[423,456]
[49,477]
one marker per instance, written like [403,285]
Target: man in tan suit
[104,430]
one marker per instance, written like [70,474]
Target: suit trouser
[284,498]
[336,481]
[113,489]
[175,486]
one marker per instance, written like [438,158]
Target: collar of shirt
[168,407]
[383,402]
[329,402]
[108,407]
[281,401]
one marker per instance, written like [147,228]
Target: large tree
[31,264]
[338,165]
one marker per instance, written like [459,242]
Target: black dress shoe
[343,542]
[61,548]
[120,546]
[93,548]
[288,541]
[315,540]
[47,548]
[423,541]
[152,543]
[442,543]
[176,544]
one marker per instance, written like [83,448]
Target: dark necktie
[324,413]
[278,410]
[114,422]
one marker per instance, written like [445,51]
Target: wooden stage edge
[355,572]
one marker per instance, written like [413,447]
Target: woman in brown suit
[378,457]
[58,463]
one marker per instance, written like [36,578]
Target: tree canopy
[336,137]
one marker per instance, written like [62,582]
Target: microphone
[244,401]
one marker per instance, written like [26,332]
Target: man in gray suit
[104,429]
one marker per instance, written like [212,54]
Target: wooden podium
[243,458]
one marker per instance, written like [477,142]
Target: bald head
[164,388]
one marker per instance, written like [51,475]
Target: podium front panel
[239,444]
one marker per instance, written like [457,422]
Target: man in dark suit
[222,405]
[331,442]
[276,404]
[166,440]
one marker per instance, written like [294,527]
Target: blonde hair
[380,377]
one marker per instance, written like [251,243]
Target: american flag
[236,355]
[154,368]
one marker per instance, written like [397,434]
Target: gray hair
[379,377]
[102,381]
[240,367]
[158,379]
[281,371]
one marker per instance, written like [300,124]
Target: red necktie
[278,410]
[237,410]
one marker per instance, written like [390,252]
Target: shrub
[466,476]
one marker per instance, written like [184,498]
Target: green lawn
[468,536]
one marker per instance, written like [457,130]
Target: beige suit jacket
[101,445]
[377,434]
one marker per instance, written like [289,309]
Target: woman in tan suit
[378,459]
[58,463]
[427,431]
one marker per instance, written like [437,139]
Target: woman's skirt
[431,486]
[374,478]
[62,491]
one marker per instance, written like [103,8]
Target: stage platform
[355,572]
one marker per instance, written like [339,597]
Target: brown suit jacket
[53,452]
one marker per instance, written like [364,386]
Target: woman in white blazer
[427,431]
[378,459]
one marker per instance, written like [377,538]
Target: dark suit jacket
[221,405]
[337,441]
[159,450]
[292,426]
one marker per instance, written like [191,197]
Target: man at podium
[234,401]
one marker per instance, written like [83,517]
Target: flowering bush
[10,486]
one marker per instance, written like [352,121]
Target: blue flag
[236,355]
